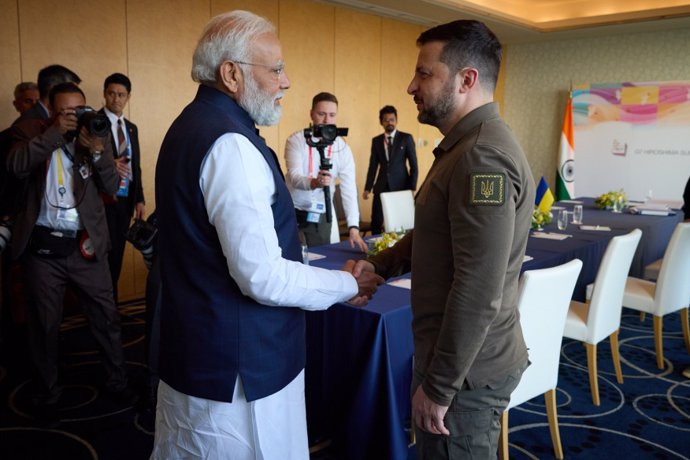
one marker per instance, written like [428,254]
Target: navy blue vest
[210,331]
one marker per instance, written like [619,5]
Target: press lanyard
[61,182]
[311,165]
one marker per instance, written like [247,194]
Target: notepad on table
[527,258]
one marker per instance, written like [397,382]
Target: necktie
[121,138]
[389,147]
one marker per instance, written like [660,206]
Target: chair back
[605,307]
[673,286]
[543,302]
[398,210]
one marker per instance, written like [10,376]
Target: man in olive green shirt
[472,220]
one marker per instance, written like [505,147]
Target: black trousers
[119,216]
[45,281]
[376,215]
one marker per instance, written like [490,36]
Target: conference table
[359,360]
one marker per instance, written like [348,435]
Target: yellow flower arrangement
[615,200]
[385,241]
[540,218]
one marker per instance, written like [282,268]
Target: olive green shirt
[472,219]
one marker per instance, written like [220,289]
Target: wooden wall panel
[357,86]
[11,61]
[308,39]
[161,36]
[87,37]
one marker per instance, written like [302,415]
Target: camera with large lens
[143,234]
[96,123]
[325,134]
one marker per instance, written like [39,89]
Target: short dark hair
[53,75]
[119,79]
[468,43]
[23,86]
[328,97]
[387,109]
[62,88]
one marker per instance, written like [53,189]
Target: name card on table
[595,228]
[550,236]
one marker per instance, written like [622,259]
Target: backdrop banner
[632,136]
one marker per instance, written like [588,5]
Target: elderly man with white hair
[234,288]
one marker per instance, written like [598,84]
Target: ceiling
[520,21]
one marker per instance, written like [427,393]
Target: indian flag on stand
[565,176]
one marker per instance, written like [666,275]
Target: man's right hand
[66,121]
[367,281]
[365,195]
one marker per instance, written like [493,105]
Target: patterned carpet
[646,417]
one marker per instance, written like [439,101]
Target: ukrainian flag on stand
[544,197]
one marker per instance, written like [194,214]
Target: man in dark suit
[61,236]
[129,198]
[390,154]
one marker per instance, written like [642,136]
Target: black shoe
[125,397]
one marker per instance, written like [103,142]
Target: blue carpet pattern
[648,416]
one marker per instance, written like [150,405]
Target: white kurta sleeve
[238,189]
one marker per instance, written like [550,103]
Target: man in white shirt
[234,289]
[306,180]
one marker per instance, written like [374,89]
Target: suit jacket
[33,144]
[392,173]
[136,190]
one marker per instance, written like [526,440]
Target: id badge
[317,207]
[313,217]
[68,215]
[124,187]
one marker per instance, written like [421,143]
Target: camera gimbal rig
[325,135]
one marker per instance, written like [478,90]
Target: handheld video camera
[325,135]
[96,123]
[321,136]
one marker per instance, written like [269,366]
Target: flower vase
[617,207]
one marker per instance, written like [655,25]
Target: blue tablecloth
[359,360]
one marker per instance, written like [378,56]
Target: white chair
[543,304]
[670,293]
[592,322]
[398,210]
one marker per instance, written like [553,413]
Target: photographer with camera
[307,177]
[61,236]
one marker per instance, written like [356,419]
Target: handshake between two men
[367,280]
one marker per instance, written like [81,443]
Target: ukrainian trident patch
[487,189]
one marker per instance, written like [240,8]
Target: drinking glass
[562,219]
[577,214]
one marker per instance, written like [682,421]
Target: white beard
[259,104]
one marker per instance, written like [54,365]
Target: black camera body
[325,134]
[96,123]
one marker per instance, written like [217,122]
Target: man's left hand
[356,239]
[427,414]
[140,210]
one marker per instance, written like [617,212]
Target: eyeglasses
[275,70]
